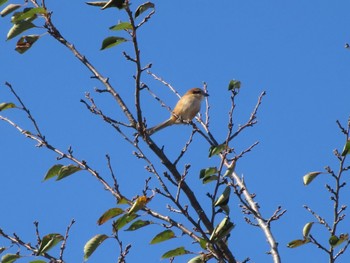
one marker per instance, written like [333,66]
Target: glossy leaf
[335,241]
[53,171]
[111,42]
[9,258]
[25,43]
[215,150]
[203,243]
[121,26]
[110,213]
[163,236]
[9,9]
[29,13]
[48,242]
[19,28]
[297,243]
[222,230]
[229,171]
[138,204]
[123,201]
[208,175]
[309,177]
[175,252]
[234,84]
[67,170]
[93,244]
[123,220]
[207,172]
[346,149]
[142,8]
[138,224]
[307,229]
[224,197]
[210,179]
[6,105]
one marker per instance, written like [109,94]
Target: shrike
[185,110]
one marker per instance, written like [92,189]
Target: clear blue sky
[292,50]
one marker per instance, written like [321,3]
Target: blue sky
[292,50]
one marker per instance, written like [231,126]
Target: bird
[185,110]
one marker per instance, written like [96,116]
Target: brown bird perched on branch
[185,110]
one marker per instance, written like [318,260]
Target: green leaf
[110,213]
[335,241]
[207,172]
[3,2]
[138,204]
[210,179]
[67,170]
[112,41]
[234,85]
[123,201]
[346,149]
[309,177]
[215,150]
[222,230]
[123,220]
[93,244]
[9,9]
[2,249]
[9,258]
[307,229]
[19,28]
[138,224]
[207,175]
[142,8]
[163,236]
[38,261]
[53,171]
[6,105]
[297,243]
[342,238]
[29,13]
[198,259]
[48,242]
[25,43]
[224,197]
[229,171]
[175,252]
[121,26]
[203,243]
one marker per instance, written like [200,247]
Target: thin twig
[64,242]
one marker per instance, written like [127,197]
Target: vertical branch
[265,227]
[138,68]
[64,242]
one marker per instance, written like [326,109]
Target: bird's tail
[160,126]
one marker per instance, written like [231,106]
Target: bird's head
[197,92]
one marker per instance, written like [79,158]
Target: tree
[208,224]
